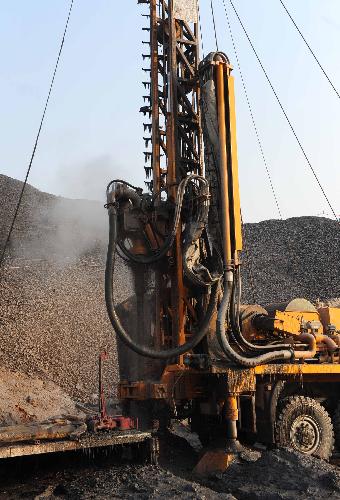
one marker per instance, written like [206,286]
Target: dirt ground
[26,399]
[269,475]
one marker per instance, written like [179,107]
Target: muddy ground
[265,475]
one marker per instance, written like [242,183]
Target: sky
[93,130]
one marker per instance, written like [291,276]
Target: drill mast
[176,137]
[174,93]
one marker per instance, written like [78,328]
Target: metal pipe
[311,341]
[330,344]
[232,416]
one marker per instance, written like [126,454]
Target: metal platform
[100,440]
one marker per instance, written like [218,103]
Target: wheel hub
[305,434]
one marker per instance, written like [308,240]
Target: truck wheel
[336,421]
[304,425]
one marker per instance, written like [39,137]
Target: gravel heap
[297,257]
[53,319]
[25,399]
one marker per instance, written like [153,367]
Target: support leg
[231,415]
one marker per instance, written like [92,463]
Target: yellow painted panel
[234,163]
[297,369]
[330,316]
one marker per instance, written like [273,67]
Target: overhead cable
[200,26]
[2,258]
[310,49]
[285,114]
[213,18]
[259,142]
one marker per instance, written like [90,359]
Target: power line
[213,17]
[37,138]
[310,49]
[200,26]
[259,142]
[285,114]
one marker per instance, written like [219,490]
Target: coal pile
[142,482]
[278,475]
[298,257]
[109,482]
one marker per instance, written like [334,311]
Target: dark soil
[271,475]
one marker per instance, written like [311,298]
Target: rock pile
[25,399]
[53,318]
[298,257]
[280,474]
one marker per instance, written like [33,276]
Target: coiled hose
[235,322]
[240,359]
[115,321]
[134,195]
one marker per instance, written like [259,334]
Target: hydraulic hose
[224,341]
[235,322]
[115,321]
[134,195]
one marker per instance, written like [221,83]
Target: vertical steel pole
[174,177]
[155,97]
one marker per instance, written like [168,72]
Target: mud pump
[188,348]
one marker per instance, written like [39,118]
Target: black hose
[133,194]
[115,321]
[120,181]
[235,322]
[146,259]
[224,341]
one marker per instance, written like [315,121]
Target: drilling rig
[188,347]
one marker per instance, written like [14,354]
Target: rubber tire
[336,423]
[296,406]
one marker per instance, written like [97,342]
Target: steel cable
[259,142]
[200,28]
[285,114]
[310,49]
[213,18]
[2,258]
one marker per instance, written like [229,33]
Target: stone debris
[53,319]
[293,258]
[29,399]
[278,475]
